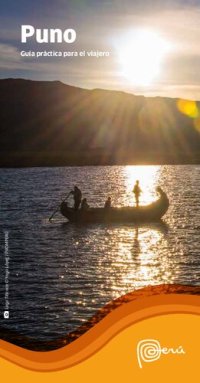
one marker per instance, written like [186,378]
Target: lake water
[60,274]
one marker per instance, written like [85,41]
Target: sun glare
[141,56]
[148,177]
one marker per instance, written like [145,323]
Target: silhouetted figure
[162,193]
[84,204]
[137,191]
[77,197]
[108,203]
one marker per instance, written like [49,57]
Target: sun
[141,56]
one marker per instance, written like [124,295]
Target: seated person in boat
[161,192]
[77,197]
[84,204]
[137,191]
[108,203]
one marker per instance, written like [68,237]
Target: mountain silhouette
[50,123]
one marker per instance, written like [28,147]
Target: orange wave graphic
[129,313]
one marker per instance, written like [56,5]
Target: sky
[173,52]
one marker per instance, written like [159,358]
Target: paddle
[50,218]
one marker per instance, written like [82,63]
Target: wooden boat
[150,213]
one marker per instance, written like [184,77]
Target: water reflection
[132,258]
[136,243]
[61,274]
[149,264]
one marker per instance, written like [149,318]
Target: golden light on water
[148,177]
[137,261]
[152,267]
[147,266]
[137,255]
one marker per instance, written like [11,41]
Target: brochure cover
[99,212]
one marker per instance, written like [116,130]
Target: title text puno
[47,35]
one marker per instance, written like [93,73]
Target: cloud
[10,58]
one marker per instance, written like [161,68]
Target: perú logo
[150,350]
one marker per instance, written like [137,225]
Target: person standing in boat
[137,191]
[77,197]
[108,203]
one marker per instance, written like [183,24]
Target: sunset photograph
[99,164]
